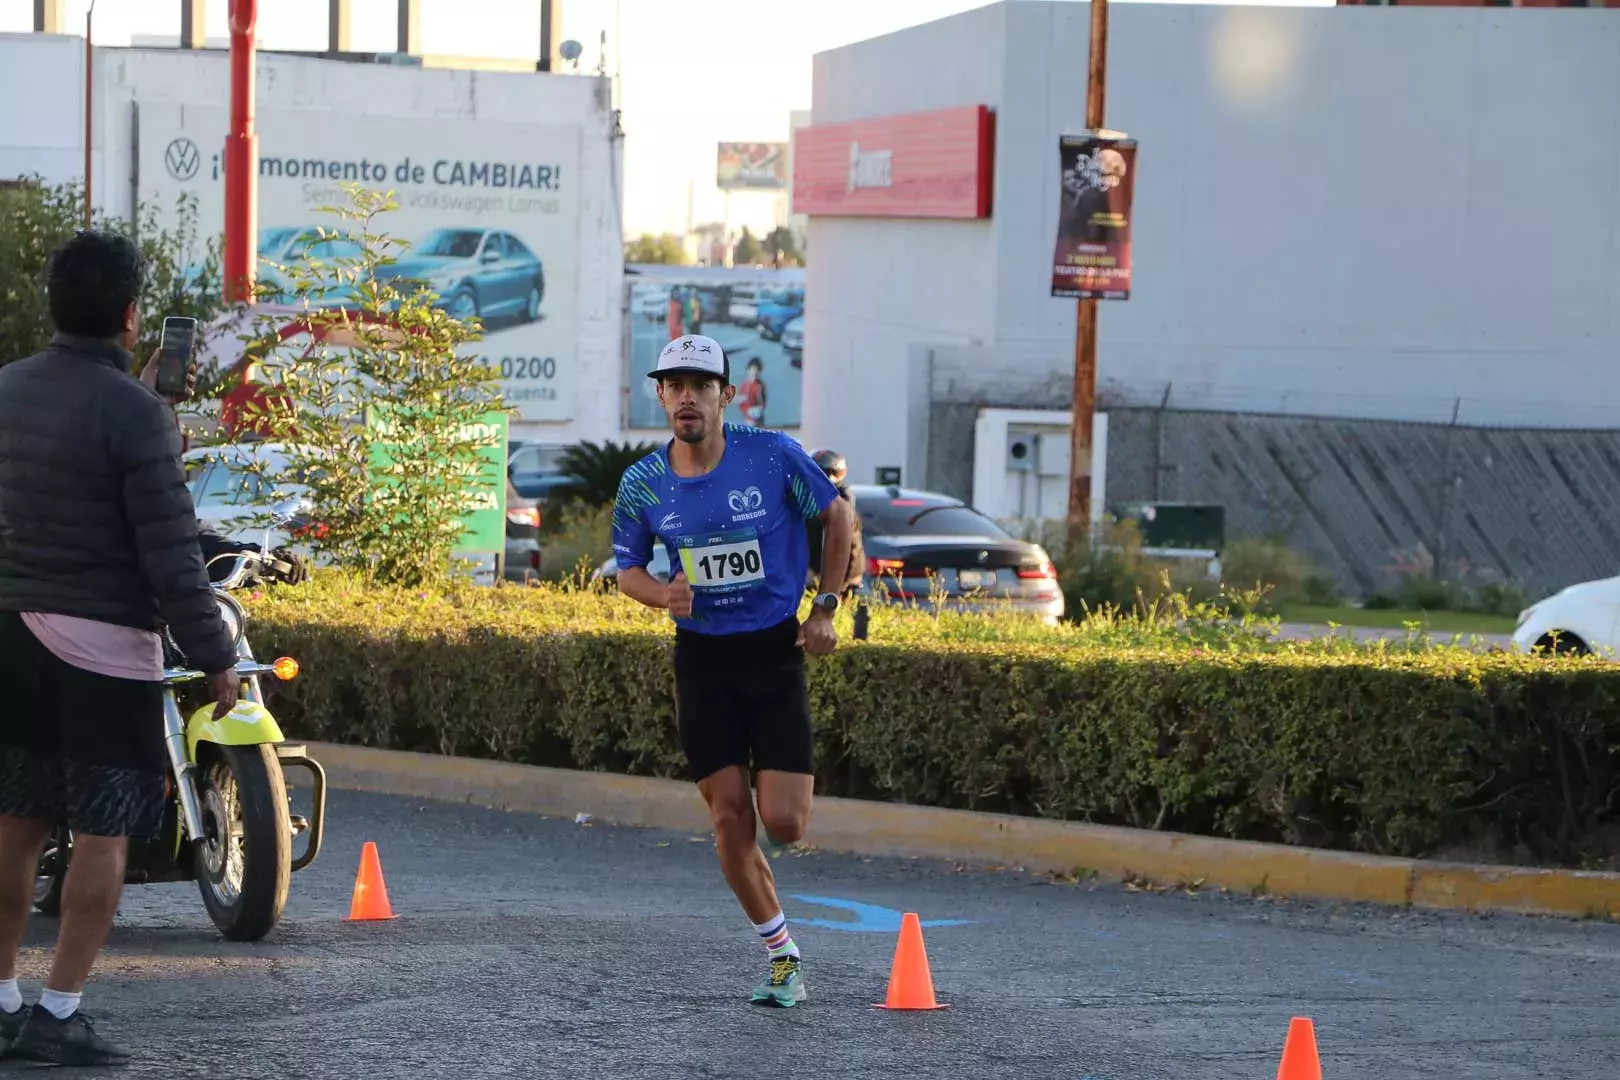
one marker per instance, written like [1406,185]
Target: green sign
[483,524]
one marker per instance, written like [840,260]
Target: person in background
[751,394]
[694,311]
[676,323]
[837,469]
[98,550]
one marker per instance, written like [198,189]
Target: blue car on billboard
[777,308]
[482,273]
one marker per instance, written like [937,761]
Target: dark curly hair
[91,280]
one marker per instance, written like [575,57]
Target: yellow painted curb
[874,828]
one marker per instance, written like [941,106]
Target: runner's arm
[817,499]
[633,546]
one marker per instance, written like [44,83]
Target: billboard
[937,164]
[758,319]
[1092,259]
[491,213]
[752,166]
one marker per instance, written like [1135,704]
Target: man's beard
[693,434]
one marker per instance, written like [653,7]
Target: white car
[793,339]
[744,307]
[1580,619]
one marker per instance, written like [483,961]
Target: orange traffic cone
[370,903]
[910,984]
[1299,1060]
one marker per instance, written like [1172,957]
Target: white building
[531,156]
[1347,212]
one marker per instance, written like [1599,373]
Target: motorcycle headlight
[235,618]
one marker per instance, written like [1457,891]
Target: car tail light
[527,515]
[1044,572]
[885,567]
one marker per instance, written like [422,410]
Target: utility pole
[1085,329]
[89,111]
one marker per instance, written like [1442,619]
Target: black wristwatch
[827,602]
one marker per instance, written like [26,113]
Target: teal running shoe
[785,987]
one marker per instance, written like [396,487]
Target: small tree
[747,252]
[663,250]
[782,246]
[594,470]
[182,266]
[384,421]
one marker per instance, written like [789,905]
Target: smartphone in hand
[176,348]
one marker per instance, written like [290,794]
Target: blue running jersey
[738,531]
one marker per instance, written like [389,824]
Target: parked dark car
[923,547]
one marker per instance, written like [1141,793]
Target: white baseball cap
[693,354]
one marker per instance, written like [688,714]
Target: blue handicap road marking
[869,918]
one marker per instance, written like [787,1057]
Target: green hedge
[1177,725]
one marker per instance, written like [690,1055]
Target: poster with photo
[491,213]
[1092,257]
[756,316]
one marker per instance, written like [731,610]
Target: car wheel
[1560,643]
[531,312]
[464,305]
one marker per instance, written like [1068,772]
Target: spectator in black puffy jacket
[98,552]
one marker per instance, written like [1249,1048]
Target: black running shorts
[77,748]
[742,699]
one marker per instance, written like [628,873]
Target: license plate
[975,579]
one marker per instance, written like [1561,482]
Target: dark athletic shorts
[741,699]
[77,748]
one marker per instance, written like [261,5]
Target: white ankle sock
[777,939]
[58,1004]
[10,997]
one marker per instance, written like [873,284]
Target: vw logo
[983,556]
[182,158]
[743,501]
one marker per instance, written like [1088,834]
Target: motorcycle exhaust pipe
[185,771]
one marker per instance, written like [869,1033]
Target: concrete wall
[42,87]
[1365,499]
[1339,211]
[41,69]
[874,287]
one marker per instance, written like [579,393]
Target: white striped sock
[778,941]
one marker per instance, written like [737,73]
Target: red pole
[241,159]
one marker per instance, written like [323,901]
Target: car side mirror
[490,255]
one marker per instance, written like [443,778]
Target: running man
[729,503]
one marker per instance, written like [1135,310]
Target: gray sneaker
[73,1041]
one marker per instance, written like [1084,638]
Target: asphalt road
[533,947]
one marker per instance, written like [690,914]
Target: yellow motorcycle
[229,824]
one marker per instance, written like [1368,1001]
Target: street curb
[1111,853]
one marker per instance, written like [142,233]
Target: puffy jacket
[96,520]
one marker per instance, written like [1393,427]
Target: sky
[692,73]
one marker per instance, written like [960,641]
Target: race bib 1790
[727,561]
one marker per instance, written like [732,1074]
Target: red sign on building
[936,164]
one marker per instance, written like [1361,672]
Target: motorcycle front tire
[248,909]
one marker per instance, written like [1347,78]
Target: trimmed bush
[1184,722]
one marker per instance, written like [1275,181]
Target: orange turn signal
[286,669]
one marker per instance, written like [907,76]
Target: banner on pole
[1092,260]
